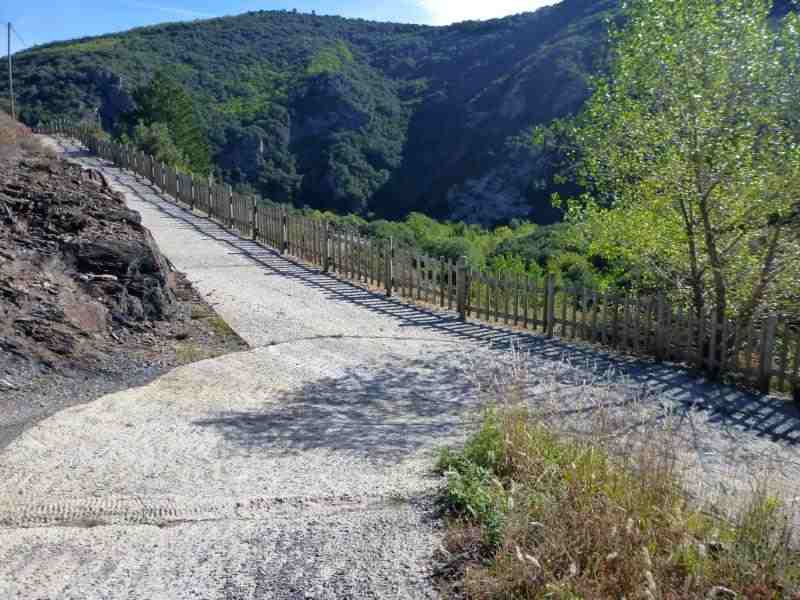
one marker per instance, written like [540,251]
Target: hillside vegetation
[350,115]
[411,123]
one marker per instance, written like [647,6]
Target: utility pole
[10,75]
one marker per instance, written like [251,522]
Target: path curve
[298,469]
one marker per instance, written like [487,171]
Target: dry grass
[188,353]
[15,137]
[540,508]
[35,146]
[9,136]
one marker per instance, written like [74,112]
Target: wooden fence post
[550,308]
[284,231]
[660,328]
[326,258]
[389,267]
[254,219]
[461,288]
[229,194]
[767,350]
[794,375]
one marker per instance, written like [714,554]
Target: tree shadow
[382,413]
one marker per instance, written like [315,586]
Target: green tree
[690,148]
[157,141]
[165,101]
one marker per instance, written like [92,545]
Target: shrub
[541,511]
[156,140]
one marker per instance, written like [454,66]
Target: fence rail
[764,352]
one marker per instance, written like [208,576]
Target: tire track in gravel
[169,511]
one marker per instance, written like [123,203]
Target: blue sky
[40,21]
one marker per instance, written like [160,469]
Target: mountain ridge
[352,115]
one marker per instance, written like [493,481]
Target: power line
[18,36]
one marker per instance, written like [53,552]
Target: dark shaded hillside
[348,114]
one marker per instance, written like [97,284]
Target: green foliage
[331,59]
[338,114]
[90,45]
[472,488]
[166,116]
[521,248]
[472,491]
[156,140]
[252,93]
[691,149]
[485,448]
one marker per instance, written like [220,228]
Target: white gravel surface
[301,468]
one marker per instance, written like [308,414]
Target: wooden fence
[764,352]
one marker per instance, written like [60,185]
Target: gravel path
[301,468]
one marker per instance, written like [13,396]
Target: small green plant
[220,326]
[473,490]
[186,354]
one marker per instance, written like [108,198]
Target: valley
[347,115]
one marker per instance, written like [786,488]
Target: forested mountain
[351,115]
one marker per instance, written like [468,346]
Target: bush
[9,134]
[157,141]
[562,516]
[473,490]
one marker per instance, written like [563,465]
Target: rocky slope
[88,304]
[75,263]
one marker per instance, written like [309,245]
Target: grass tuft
[15,137]
[535,511]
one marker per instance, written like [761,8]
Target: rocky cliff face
[75,263]
[114,97]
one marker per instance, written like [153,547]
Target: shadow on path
[383,414]
[762,415]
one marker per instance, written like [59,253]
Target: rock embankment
[88,304]
[75,262]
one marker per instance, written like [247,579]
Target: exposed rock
[721,593]
[115,99]
[243,150]
[516,188]
[75,262]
